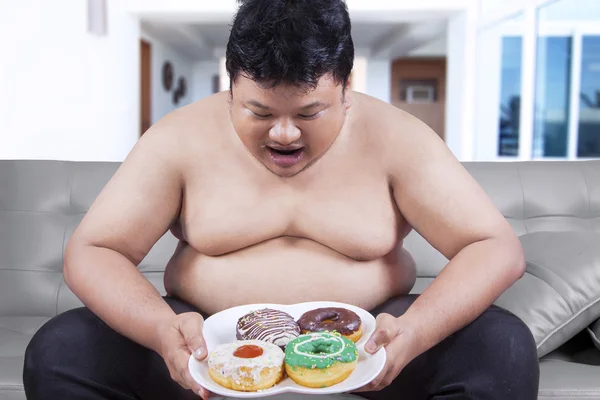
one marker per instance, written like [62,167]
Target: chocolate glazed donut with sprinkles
[269,325]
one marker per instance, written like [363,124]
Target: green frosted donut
[320,350]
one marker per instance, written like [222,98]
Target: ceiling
[206,41]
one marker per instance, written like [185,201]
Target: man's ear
[347,97]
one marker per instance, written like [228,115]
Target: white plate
[221,328]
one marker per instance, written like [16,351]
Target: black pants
[77,356]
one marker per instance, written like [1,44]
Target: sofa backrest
[41,203]
[533,196]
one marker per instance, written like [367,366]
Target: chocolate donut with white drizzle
[273,326]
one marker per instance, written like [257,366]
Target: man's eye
[261,115]
[308,116]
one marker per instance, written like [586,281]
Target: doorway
[419,88]
[145,86]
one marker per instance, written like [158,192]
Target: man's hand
[179,338]
[399,343]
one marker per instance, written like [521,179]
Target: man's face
[288,128]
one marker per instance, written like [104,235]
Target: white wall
[379,79]
[358,79]
[226,5]
[67,94]
[571,10]
[488,89]
[360,10]
[436,48]
[64,93]
[162,100]
[371,75]
[202,78]
[460,84]
[488,9]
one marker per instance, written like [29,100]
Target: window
[498,89]
[510,97]
[589,109]
[537,91]
[567,113]
[551,121]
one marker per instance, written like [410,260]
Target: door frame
[145,85]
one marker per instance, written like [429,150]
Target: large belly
[285,271]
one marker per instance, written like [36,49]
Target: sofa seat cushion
[594,331]
[562,380]
[15,334]
[11,377]
[559,296]
[298,396]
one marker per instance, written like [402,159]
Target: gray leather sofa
[553,206]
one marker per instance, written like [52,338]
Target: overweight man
[289,187]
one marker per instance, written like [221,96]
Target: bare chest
[352,213]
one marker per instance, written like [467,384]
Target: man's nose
[284,132]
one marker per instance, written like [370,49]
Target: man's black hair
[290,41]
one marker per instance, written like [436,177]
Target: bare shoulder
[142,199]
[432,189]
[188,129]
[393,133]
[401,140]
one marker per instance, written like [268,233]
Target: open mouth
[286,152]
[286,158]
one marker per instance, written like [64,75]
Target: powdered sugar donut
[246,365]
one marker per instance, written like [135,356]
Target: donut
[273,326]
[321,359]
[247,366]
[332,319]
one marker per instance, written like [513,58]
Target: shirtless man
[288,188]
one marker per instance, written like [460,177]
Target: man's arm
[132,212]
[444,204]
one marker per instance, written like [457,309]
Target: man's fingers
[195,386]
[191,330]
[394,364]
[206,394]
[375,384]
[181,367]
[392,369]
[385,331]
[197,347]
[190,383]
[396,350]
[369,387]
